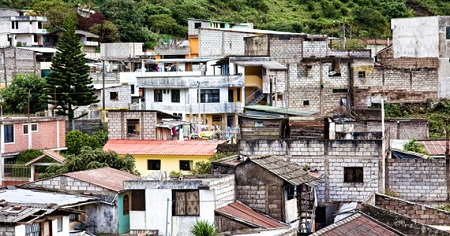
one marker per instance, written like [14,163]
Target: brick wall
[418,213]
[224,190]
[224,224]
[192,31]
[69,185]
[18,61]
[123,100]
[398,129]
[7,230]
[401,223]
[46,137]
[257,46]
[259,189]
[394,84]
[418,179]
[117,124]
[329,158]
[87,126]
[215,42]
[315,48]
[120,50]
[286,46]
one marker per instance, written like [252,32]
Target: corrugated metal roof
[246,215]
[270,65]
[26,196]
[105,177]
[434,147]
[358,225]
[47,153]
[280,110]
[286,170]
[166,147]
[8,215]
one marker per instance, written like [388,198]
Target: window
[210,96]
[186,202]
[259,124]
[126,204]
[33,229]
[197,25]
[9,134]
[216,118]
[114,95]
[14,24]
[238,96]
[157,95]
[447,32]
[133,126]
[132,87]
[35,37]
[175,95]
[34,128]
[361,74]
[230,95]
[153,164]
[340,90]
[185,165]
[39,25]
[138,200]
[353,174]
[59,224]
[306,103]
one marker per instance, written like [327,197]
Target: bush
[27,155]
[414,146]
[75,140]
[203,228]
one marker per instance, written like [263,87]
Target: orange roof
[47,153]
[167,147]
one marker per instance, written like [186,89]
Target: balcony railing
[16,171]
[220,81]
[205,108]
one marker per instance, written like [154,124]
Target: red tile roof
[105,177]
[167,147]
[358,225]
[434,147]
[47,153]
[245,214]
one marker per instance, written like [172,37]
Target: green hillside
[145,20]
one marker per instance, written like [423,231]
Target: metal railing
[16,171]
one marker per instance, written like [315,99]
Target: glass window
[230,95]
[447,32]
[361,74]
[185,165]
[210,95]
[186,202]
[175,95]
[9,133]
[353,174]
[197,25]
[153,164]
[59,223]
[114,95]
[157,95]
[33,229]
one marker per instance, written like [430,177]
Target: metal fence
[16,171]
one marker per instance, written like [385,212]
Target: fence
[16,171]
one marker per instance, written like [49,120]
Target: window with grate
[9,133]
[175,95]
[186,202]
[33,229]
[210,95]
[138,200]
[157,96]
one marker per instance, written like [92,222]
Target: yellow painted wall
[157,57]
[168,163]
[193,45]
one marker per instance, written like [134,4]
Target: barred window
[186,202]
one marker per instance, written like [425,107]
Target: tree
[69,84]
[55,11]
[414,146]
[107,31]
[24,86]
[90,158]
[76,140]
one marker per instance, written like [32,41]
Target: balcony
[205,108]
[28,18]
[220,81]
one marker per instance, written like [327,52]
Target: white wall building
[18,29]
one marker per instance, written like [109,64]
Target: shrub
[203,228]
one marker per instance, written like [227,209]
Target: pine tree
[69,84]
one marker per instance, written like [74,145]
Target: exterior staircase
[254,98]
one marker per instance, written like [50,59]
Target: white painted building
[18,29]
[171,207]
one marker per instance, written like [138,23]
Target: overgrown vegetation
[204,167]
[445,207]
[144,20]
[89,158]
[414,146]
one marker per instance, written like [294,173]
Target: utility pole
[28,103]
[103,84]
[343,34]
[4,67]
[199,100]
